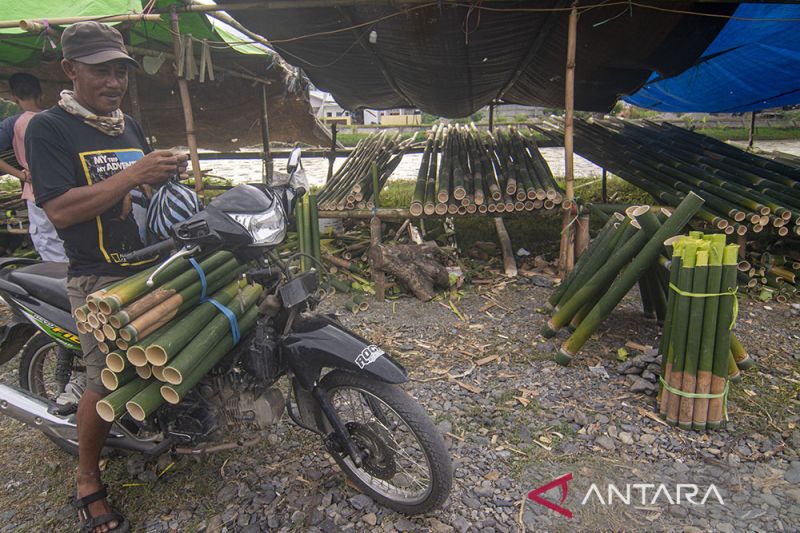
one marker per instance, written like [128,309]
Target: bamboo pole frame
[186,102]
[566,259]
[37,25]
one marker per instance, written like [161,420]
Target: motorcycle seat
[45,281]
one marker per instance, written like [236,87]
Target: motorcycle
[340,386]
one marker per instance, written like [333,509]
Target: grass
[763,133]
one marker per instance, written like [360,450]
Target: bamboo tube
[158,373]
[81,313]
[723,333]
[181,363]
[104,348]
[706,361]
[734,374]
[121,344]
[174,392]
[676,243]
[115,361]
[82,327]
[314,227]
[98,335]
[145,402]
[144,372]
[742,358]
[171,342]
[112,406]
[175,304]
[694,337]
[113,380]
[644,258]
[169,288]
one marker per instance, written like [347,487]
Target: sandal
[89,523]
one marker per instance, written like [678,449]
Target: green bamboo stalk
[112,406]
[181,365]
[694,335]
[174,392]
[743,359]
[300,225]
[734,374]
[307,233]
[706,360]
[418,198]
[722,341]
[169,287]
[170,308]
[145,402]
[115,361]
[314,222]
[340,286]
[168,343]
[648,254]
[645,295]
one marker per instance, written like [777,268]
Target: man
[86,156]
[27,93]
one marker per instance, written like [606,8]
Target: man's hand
[158,166]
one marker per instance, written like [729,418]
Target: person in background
[27,93]
[7,132]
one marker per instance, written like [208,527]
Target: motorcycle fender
[318,342]
[13,337]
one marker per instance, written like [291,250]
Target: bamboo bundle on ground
[770,271]
[698,344]
[464,171]
[351,187]
[198,339]
[743,193]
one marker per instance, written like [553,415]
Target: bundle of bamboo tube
[351,187]
[464,171]
[770,274]
[744,193]
[308,240]
[165,333]
[625,250]
[700,352]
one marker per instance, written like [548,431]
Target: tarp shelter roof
[753,64]
[450,59]
[226,110]
[18,48]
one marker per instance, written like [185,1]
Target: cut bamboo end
[563,357]
[729,230]
[109,379]
[172,376]
[104,348]
[459,193]
[144,372]
[109,305]
[81,313]
[115,362]
[82,327]
[483,208]
[158,372]
[135,410]
[549,204]
[92,306]
[638,211]
[169,394]
[94,323]
[136,356]
[109,332]
[105,411]
[121,344]
[442,197]
[98,335]
[550,194]
[548,330]
[429,209]
[156,355]
[116,320]
[103,319]
[128,334]
[783,231]
[440,209]
[416,209]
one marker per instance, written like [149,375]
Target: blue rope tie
[222,309]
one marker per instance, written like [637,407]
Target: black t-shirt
[63,153]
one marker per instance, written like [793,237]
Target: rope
[723,395]
[731,292]
[222,309]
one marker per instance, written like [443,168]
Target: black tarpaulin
[452,59]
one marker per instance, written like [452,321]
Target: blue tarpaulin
[750,66]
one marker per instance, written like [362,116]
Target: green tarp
[18,48]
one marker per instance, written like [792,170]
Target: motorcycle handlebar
[149,251]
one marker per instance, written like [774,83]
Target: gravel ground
[513,423]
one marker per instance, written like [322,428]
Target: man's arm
[80,204]
[5,168]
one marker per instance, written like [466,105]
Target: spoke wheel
[405,463]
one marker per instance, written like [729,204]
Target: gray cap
[93,43]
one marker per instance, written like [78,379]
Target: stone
[792,475]
[461,524]
[214,524]
[360,501]
[445,426]
[227,493]
[625,437]
[483,492]
[641,385]
[605,442]
[647,439]
[370,519]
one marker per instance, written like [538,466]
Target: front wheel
[406,465]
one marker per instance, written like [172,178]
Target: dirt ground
[513,419]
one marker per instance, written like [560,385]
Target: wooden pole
[565,257]
[332,156]
[267,156]
[37,25]
[183,89]
[491,117]
[509,263]
[751,134]
[581,235]
[133,86]
[605,186]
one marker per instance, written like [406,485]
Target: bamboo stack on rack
[166,335]
[743,193]
[351,186]
[700,353]
[465,171]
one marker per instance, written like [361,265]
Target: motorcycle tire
[383,401]
[31,376]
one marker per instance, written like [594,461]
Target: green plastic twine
[711,295]
[723,395]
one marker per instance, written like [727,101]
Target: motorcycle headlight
[267,229]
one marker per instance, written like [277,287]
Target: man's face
[99,88]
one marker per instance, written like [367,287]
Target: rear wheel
[406,465]
[38,375]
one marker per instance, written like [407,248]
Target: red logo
[558,482]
